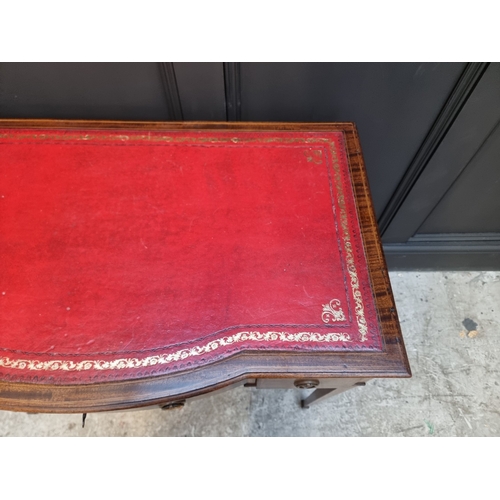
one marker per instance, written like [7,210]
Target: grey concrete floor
[455,389]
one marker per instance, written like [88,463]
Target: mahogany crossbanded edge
[392,362]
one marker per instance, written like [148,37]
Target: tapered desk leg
[321,394]
[315,396]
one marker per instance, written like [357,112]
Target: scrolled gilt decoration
[167,358]
[332,312]
[349,255]
[314,156]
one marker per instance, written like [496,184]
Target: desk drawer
[309,383]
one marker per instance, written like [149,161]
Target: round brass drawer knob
[306,384]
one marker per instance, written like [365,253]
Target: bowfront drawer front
[311,383]
[148,263]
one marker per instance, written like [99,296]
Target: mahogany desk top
[144,262]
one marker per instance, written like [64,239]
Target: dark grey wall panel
[447,117]
[393,104]
[201,90]
[108,91]
[401,258]
[472,204]
[459,251]
[477,120]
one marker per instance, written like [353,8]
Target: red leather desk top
[128,254]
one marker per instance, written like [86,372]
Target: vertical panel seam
[232,90]
[171,90]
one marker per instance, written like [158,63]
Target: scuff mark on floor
[465,418]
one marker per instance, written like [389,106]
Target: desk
[147,263]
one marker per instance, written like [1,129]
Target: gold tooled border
[255,336]
[351,267]
[163,359]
